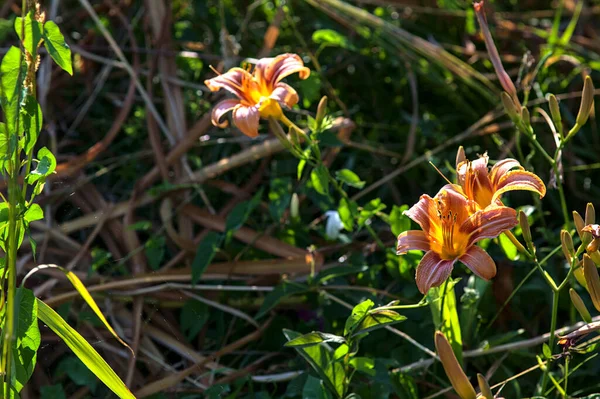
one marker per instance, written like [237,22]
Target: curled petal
[519,180]
[477,167]
[432,271]
[412,239]
[451,200]
[271,70]
[425,214]
[489,223]
[234,81]
[285,94]
[479,262]
[221,109]
[501,168]
[246,119]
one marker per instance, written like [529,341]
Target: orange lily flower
[450,233]
[485,187]
[259,94]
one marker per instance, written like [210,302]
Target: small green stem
[555,296]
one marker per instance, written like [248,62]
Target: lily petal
[488,223]
[285,94]
[412,239]
[432,271]
[519,180]
[234,81]
[479,262]
[478,167]
[424,213]
[501,168]
[272,70]
[221,109]
[246,119]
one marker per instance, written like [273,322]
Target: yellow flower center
[270,108]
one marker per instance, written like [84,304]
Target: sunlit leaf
[446,318]
[32,30]
[27,337]
[398,221]
[33,213]
[350,178]
[320,180]
[83,350]
[359,312]
[314,338]
[376,319]
[58,49]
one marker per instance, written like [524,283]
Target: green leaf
[280,194]
[33,213]
[405,386]
[46,166]
[283,290]
[33,32]
[194,314]
[370,210]
[31,122]
[314,389]
[320,357]
[204,254]
[398,221]
[376,319]
[364,364]
[358,314]
[238,215]
[52,392]
[338,271]
[346,209]
[314,338]
[155,251]
[510,250]
[83,350]
[448,323]
[330,37]
[58,49]
[350,178]
[470,300]
[28,338]
[9,76]
[77,372]
[546,351]
[319,177]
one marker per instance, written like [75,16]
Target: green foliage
[204,254]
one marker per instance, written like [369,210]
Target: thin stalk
[555,296]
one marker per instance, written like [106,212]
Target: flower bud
[580,306]
[455,373]
[567,245]
[587,101]
[590,214]
[486,391]
[592,279]
[526,231]
[294,206]
[509,106]
[554,110]
[525,116]
[460,156]
[579,223]
[321,110]
[579,276]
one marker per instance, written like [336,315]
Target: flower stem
[555,296]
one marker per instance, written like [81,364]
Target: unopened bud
[509,106]
[541,363]
[460,156]
[580,306]
[554,110]
[455,373]
[592,279]
[321,110]
[567,245]
[484,387]
[587,101]
[579,223]
[294,206]
[595,257]
[590,214]
[579,275]
[526,231]
[525,116]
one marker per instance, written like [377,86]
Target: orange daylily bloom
[259,94]
[485,187]
[449,234]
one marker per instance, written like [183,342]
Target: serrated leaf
[83,350]
[350,178]
[204,254]
[58,49]
[314,338]
[319,177]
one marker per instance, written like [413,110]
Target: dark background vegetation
[381,74]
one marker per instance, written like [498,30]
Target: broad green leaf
[364,364]
[370,210]
[302,163]
[33,213]
[3,141]
[85,295]
[398,221]
[446,319]
[320,357]
[358,314]
[31,122]
[204,254]
[238,216]
[314,389]
[350,178]
[338,271]
[155,251]
[9,76]
[320,180]
[32,30]
[77,372]
[83,350]
[346,209]
[314,338]
[510,250]
[58,49]
[194,314]
[376,319]
[546,351]
[27,338]
[46,165]
[470,300]
[283,290]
